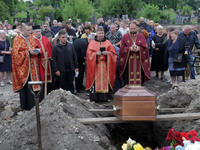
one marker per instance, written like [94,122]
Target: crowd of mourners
[100,52]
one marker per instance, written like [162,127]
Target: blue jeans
[190,61]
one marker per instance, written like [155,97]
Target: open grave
[62,131]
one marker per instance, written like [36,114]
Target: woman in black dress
[158,62]
[6,66]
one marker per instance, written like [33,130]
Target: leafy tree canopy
[186,10]
[4,14]
[45,11]
[75,9]
[114,7]
[152,12]
[10,5]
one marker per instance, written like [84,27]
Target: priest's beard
[133,33]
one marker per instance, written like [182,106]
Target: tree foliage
[22,6]
[114,7]
[4,14]
[173,4]
[45,11]
[21,16]
[160,3]
[58,13]
[85,9]
[195,4]
[152,12]
[186,10]
[11,5]
[53,3]
[33,14]
[39,3]
[74,9]
[168,14]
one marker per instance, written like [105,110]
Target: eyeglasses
[45,26]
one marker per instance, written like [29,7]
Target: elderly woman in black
[5,66]
[177,59]
[158,63]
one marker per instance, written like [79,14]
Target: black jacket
[183,63]
[64,58]
[182,45]
[191,40]
[166,45]
[44,33]
[81,46]
[71,32]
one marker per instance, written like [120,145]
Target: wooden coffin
[134,103]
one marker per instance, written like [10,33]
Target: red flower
[193,133]
[171,135]
[192,139]
[178,136]
[185,135]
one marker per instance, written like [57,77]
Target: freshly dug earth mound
[60,130]
[187,96]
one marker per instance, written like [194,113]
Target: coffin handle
[115,108]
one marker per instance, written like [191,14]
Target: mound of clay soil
[187,96]
[60,129]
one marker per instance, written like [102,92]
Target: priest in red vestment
[45,46]
[134,66]
[25,66]
[101,67]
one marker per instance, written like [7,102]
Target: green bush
[38,22]
[58,13]
[4,14]
[22,6]
[74,9]
[152,12]
[121,7]
[45,11]
[33,14]
[168,14]
[21,15]
[186,10]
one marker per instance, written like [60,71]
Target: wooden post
[37,110]
[45,76]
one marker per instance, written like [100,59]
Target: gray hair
[55,21]
[187,26]
[2,31]
[175,32]
[151,21]
[91,36]
[24,25]
[160,27]
[113,24]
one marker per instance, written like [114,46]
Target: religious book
[102,49]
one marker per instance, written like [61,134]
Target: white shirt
[123,31]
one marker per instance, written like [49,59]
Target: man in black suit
[80,46]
